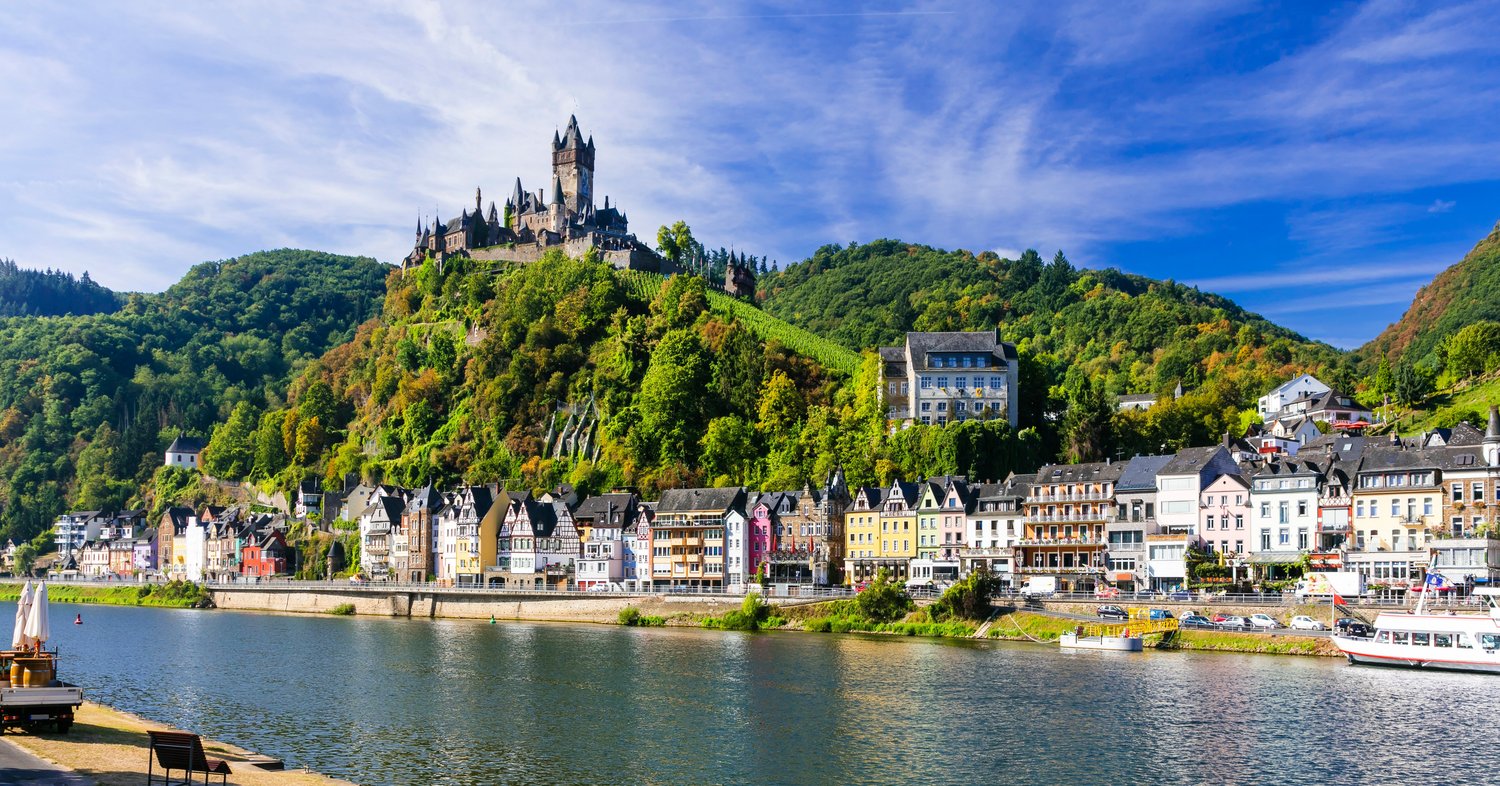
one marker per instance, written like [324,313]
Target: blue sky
[1317,162]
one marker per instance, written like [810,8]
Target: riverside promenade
[107,747]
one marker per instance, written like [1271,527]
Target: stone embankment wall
[465,605]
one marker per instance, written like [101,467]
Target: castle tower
[1492,438]
[557,207]
[573,166]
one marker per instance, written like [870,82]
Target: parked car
[1343,623]
[1264,621]
[1195,621]
[1234,623]
[1353,628]
[1180,595]
[1160,614]
[1304,622]
[1106,593]
[1112,612]
[1219,616]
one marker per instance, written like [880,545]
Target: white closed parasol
[23,608]
[38,630]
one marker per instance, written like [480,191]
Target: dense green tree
[1086,426]
[728,449]
[270,450]
[1473,349]
[675,242]
[230,452]
[672,404]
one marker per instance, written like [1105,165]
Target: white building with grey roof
[941,378]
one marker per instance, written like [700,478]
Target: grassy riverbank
[111,747]
[174,594]
[1024,626]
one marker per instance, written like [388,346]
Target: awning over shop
[1124,575]
[1274,557]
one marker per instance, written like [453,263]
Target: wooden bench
[176,750]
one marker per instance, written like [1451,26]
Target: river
[394,701]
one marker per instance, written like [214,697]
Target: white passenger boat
[1113,643]
[1422,639]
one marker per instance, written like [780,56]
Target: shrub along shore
[173,594]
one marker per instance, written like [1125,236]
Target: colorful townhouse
[862,535]
[942,524]
[1134,521]
[457,556]
[898,528]
[266,554]
[418,525]
[1179,490]
[605,523]
[1398,495]
[378,525]
[538,544]
[689,535]
[1067,510]
[995,521]
[1225,515]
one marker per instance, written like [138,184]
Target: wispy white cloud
[171,133]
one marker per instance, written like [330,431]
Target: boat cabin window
[1442,639]
[1383,637]
[1489,641]
[1463,640]
[1399,637]
[1419,639]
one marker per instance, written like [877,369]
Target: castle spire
[478,202]
[557,193]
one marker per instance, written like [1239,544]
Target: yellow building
[898,528]
[862,536]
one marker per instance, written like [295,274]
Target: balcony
[990,552]
[1088,496]
[1075,571]
[1088,542]
[1072,517]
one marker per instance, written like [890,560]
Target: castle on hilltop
[563,216]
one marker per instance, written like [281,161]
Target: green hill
[51,294]
[1465,293]
[88,403]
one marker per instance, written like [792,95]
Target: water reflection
[384,701]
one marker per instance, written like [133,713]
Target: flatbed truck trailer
[30,708]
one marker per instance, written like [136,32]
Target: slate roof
[988,341]
[1190,460]
[873,494]
[1140,473]
[597,507]
[1095,472]
[1288,468]
[1135,398]
[186,444]
[697,500]
[1381,458]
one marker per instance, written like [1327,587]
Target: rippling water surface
[383,701]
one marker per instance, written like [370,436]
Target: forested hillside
[1464,294]
[51,293]
[570,371]
[88,403]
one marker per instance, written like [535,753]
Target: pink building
[762,531]
[1224,515]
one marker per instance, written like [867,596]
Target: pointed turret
[515,197]
[557,192]
[1492,438]
[556,141]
